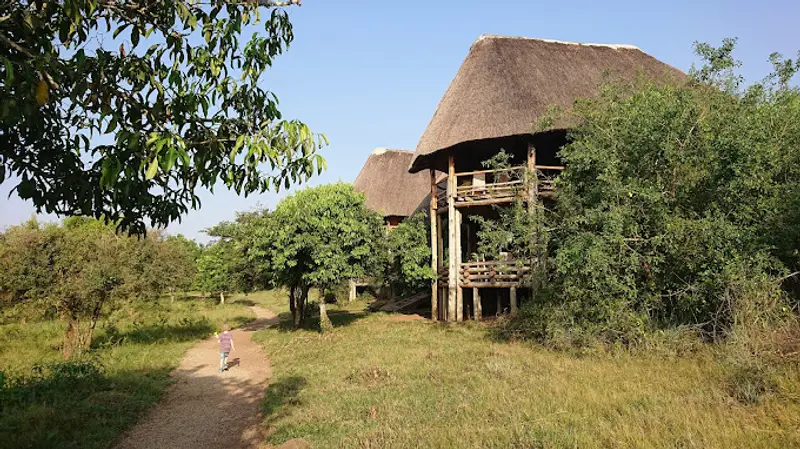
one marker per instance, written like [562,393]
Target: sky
[369,74]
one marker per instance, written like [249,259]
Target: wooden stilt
[533,198]
[476,302]
[499,303]
[434,248]
[513,294]
[452,241]
[352,286]
[459,289]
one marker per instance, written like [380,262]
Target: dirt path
[206,409]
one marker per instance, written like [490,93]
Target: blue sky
[370,73]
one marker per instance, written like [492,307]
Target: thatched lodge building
[503,89]
[390,188]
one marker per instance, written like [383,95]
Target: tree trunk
[324,322]
[70,336]
[222,298]
[172,295]
[293,307]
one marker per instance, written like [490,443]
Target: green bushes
[679,209]
[409,254]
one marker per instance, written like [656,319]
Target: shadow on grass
[75,404]
[339,318]
[283,396]
[187,330]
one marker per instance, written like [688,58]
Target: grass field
[384,381]
[87,403]
[379,382]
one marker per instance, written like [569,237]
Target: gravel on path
[206,409]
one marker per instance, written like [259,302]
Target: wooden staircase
[404,303]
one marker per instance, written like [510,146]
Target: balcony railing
[484,187]
[493,274]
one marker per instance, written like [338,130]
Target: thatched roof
[506,84]
[390,189]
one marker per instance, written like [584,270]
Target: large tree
[74,270]
[121,109]
[318,237]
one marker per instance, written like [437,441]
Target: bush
[679,209]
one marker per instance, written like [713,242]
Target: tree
[75,269]
[318,237]
[177,261]
[679,206]
[121,109]
[238,237]
[409,254]
[215,270]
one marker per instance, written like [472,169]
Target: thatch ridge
[390,189]
[506,84]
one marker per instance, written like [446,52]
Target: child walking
[225,346]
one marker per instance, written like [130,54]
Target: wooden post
[452,240]
[434,248]
[440,262]
[476,302]
[459,289]
[513,294]
[352,295]
[533,197]
[499,304]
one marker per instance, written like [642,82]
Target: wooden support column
[499,304]
[434,248]
[459,289]
[352,295]
[452,239]
[513,294]
[440,260]
[476,302]
[533,198]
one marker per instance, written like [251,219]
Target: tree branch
[274,4]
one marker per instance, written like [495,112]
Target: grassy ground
[377,382]
[88,402]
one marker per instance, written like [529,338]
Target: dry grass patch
[382,383]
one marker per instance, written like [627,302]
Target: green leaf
[9,71]
[152,169]
[112,125]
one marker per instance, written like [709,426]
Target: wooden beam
[513,294]
[434,248]
[480,284]
[459,289]
[452,239]
[476,303]
[503,200]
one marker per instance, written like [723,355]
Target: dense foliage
[80,269]
[680,207]
[409,256]
[132,105]
[318,237]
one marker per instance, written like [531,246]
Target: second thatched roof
[390,189]
[506,84]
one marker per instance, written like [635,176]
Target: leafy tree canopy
[122,109]
[318,237]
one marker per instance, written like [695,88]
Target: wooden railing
[482,187]
[497,274]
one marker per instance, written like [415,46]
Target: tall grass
[380,382]
[46,402]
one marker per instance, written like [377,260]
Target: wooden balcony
[489,274]
[493,274]
[485,187]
